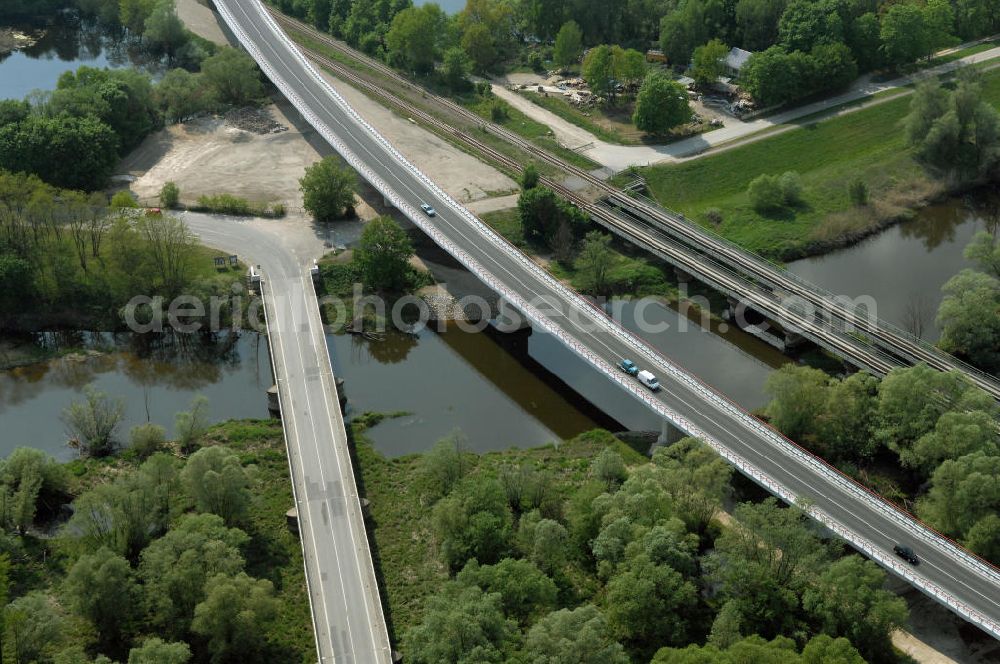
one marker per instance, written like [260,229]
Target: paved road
[868,523]
[343,592]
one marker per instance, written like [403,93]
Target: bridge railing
[675,371]
[778,272]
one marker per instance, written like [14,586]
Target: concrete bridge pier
[683,276]
[669,434]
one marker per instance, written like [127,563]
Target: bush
[147,439]
[858,191]
[499,111]
[714,215]
[791,188]
[535,61]
[170,196]
[765,194]
[236,206]
[123,199]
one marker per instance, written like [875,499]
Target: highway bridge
[951,575]
[844,326]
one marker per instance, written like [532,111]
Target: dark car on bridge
[628,366]
[906,553]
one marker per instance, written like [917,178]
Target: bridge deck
[343,591]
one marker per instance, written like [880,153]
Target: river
[904,267]
[449,380]
[63,46]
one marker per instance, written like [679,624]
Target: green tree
[984,252]
[126,514]
[101,588]
[764,561]
[474,521]
[66,151]
[798,397]
[477,42]
[577,636]
[708,62]
[234,615]
[156,651]
[806,24]
[121,98]
[848,600]
[445,464]
[983,538]
[383,254]
[30,479]
[190,426]
[133,14]
[595,261]
[569,44]
[233,77]
[599,71]
[661,104]
[955,434]
[765,194]
[969,320]
[691,24]
[34,623]
[181,94]
[147,439]
[939,22]
[834,65]
[864,38]
[174,568]
[218,483]
[170,195]
[164,30]
[93,422]
[757,22]
[697,480]
[456,68]
[963,492]
[726,626]
[912,399]
[904,34]
[629,66]
[414,37]
[328,189]
[649,603]
[529,177]
[846,427]
[609,468]
[824,649]
[525,591]
[461,624]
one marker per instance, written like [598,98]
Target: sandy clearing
[200,20]
[206,156]
[460,174]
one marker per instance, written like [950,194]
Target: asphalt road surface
[868,523]
[347,613]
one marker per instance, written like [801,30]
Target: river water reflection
[904,267]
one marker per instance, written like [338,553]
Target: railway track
[776,293]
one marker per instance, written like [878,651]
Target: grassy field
[611,125]
[868,144]
[409,560]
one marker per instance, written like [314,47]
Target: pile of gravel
[254,120]
[445,307]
